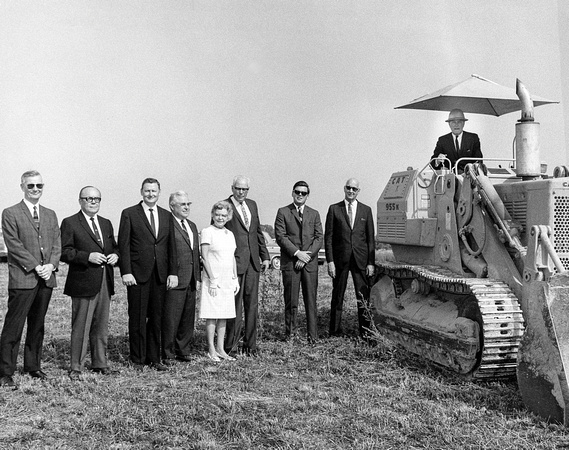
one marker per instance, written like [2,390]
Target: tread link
[503,323]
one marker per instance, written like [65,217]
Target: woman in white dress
[219,280]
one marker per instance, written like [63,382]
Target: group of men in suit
[350,248]
[159,259]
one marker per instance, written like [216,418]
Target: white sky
[192,93]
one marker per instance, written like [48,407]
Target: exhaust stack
[528,160]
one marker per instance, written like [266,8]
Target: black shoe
[159,367]
[8,381]
[104,371]
[184,358]
[75,375]
[39,374]
[169,362]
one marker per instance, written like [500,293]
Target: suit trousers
[246,303]
[339,284]
[145,302]
[30,304]
[178,321]
[90,327]
[292,281]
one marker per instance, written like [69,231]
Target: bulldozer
[478,283]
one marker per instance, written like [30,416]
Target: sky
[107,93]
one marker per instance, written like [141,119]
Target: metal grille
[391,231]
[518,211]
[561,227]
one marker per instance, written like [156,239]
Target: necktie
[186,233]
[457,145]
[36,217]
[245,217]
[152,222]
[300,213]
[96,231]
[351,215]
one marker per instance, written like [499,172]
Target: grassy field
[338,394]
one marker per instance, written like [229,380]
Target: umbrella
[475,95]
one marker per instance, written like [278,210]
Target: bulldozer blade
[543,355]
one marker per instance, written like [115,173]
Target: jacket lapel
[88,228]
[26,212]
[145,220]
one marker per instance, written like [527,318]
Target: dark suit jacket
[469,148]
[341,241]
[188,257]
[293,235]
[140,249]
[78,241]
[26,244]
[251,247]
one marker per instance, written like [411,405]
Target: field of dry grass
[338,394]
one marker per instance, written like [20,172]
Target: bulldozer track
[502,319]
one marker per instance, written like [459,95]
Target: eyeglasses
[352,188]
[91,199]
[31,185]
[301,193]
[185,204]
[240,189]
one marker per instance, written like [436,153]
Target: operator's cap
[456,114]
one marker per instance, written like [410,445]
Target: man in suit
[31,234]
[251,256]
[350,248]
[180,305]
[89,247]
[457,144]
[149,267]
[298,230]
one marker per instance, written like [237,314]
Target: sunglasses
[240,189]
[352,188]
[31,185]
[301,193]
[91,199]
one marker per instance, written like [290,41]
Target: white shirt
[240,211]
[31,206]
[188,229]
[90,222]
[154,213]
[354,209]
[454,137]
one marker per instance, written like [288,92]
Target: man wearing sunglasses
[31,233]
[350,248]
[456,144]
[298,230]
[89,247]
[251,256]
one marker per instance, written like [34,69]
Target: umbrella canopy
[475,95]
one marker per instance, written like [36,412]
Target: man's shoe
[104,371]
[75,375]
[39,374]
[8,381]
[169,362]
[184,358]
[159,367]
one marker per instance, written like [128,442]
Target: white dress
[220,257]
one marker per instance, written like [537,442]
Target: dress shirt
[186,225]
[454,137]
[354,209]
[147,213]
[88,219]
[30,206]
[237,207]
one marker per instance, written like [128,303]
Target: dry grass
[339,394]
